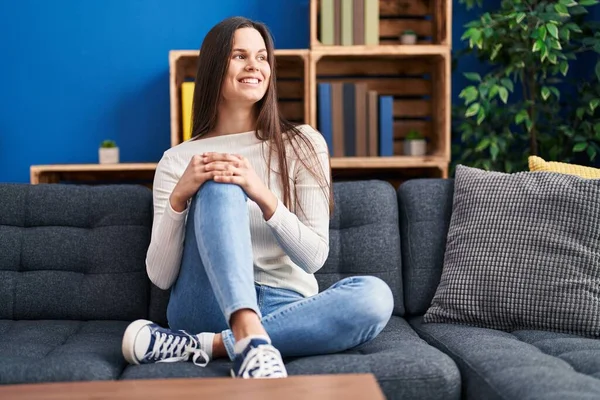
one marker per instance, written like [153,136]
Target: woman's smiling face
[248,74]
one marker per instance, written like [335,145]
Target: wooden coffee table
[310,387]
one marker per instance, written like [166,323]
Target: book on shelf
[187,97]
[349,22]
[355,121]
[386,126]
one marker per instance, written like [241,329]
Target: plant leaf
[503,92]
[568,3]
[494,150]
[472,110]
[552,30]
[598,70]
[538,45]
[564,68]
[545,92]
[480,116]
[508,84]
[473,76]
[493,92]
[591,152]
[574,27]
[521,116]
[580,111]
[579,147]
[520,17]
[555,91]
[485,142]
[587,3]
[561,9]
[555,44]
[542,32]
[469,93]
[594,103]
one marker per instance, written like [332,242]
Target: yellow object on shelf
[539,164]
[187,96]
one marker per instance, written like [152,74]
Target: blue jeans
[216,279]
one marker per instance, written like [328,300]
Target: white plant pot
[415,147]
[408,39]
[108,155]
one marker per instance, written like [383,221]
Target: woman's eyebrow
[245,51]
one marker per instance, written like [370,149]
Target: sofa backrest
[74,252]
[364,238]
[425,207]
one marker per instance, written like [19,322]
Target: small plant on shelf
[408,37]
[108,152]
[415,144]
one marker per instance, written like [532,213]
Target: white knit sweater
[287,249]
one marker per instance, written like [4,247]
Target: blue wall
[77,72]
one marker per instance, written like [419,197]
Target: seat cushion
[405,366]
[520,364]
[52,351]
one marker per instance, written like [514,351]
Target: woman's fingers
[212,157]
[216,166]
[236,180]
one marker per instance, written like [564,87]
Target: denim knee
[377,302]
[220,191]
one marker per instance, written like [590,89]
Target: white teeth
[254,81]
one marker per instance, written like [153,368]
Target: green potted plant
[415,144]
[108,152]
[528,101]
[408,37]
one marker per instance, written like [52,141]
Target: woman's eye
[238,56]
[262,58]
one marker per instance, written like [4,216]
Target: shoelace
[167,346]
[263,362]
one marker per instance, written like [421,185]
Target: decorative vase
[108,155]
[408,38]
[415,147]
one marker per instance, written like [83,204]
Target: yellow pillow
[539,164]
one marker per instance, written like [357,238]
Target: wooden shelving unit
[93,173]
[418,76]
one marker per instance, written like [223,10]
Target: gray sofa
[72,276]
[493,364]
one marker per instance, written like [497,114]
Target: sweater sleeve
[163,258]
[305,237]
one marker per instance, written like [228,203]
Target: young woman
[241,224]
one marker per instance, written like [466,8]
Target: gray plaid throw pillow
[523,252]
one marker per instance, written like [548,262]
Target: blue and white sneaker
[144,342]
[258,360]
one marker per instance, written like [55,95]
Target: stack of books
[355,121]
[349,22]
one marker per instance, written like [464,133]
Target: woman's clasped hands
[223,168]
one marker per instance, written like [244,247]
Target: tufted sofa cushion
[519,364]
[74,252]
[364,237]
[52,351]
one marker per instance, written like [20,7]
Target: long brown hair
[213,63]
